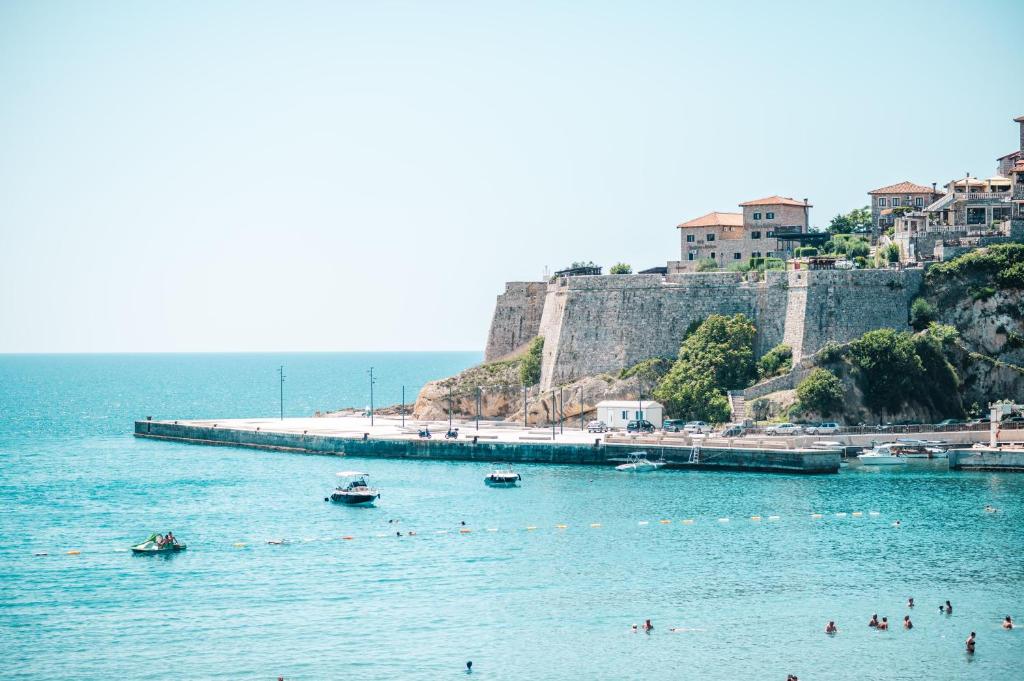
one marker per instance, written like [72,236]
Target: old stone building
[889,202]
[759,231]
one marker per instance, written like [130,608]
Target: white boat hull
[869,460]
[639,467]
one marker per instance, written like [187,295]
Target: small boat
[150,546]
[502,476]
[882,455]
[353,490]
[639,463]
[919,449]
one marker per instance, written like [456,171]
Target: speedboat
[150,546]
[919,449]
[353,490]
[502,476]
[639,463]
[882,455]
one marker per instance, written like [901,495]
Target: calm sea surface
[752,596]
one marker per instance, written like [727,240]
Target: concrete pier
[987,459]
[354,437]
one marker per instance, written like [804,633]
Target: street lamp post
[403,406]
[478,389]
[449,408]
[371,395]
[554,406]
[280,371]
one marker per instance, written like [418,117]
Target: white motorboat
[919,449]
[639,463]
[502,476]
[882,455]
[352,490]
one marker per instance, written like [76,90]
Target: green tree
[776,361]
[707,265]
[822,392]
[892,253]
[857,220]
[886,368]
[717,356]
[922,313]
[620,268]
[805,251]
[529,370]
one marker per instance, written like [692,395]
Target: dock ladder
[694,454]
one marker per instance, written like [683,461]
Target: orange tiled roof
[774,201]
[905,187]
[716,219]
[1019,168]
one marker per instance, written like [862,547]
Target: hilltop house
[888,202]
[765,228]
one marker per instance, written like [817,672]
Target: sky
[267,176]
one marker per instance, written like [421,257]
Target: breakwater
[986,459]
[597,452]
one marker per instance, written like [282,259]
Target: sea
[738,572]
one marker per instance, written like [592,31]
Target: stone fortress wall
[596,324]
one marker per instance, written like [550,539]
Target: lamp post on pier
[403,406]
[372,381]
[449,408]
[478,390]
[280,371]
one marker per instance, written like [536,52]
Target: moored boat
[881,455]
[502,476]
[639,463]
[353,490]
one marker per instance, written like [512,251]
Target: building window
[755,254]
[881,202]
[625,415]
[639,415]
[710,237]
[895,201]
[770,233]
[712,255]
[769,216]
[757,216]
[689,256]
[736,256]
[755,235]
[690,238]
[919,202]
[769,254]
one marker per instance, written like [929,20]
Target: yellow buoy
[664,522]
[530,528]
[857,514]
[347,537]
[595,524]
[465,530]
[74,552]
[239,545]
[755,517]
[561,527]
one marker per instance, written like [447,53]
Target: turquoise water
[546,603]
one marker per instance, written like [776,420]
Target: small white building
[618,413]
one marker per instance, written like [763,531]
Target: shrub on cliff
[620,268]
[529,370]
[1003,263]
[776,361]
[717,356]
[707,265]
[922,313]
[886,367]
[821,392]
[805,252]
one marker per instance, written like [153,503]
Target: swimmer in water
[989,508]
[831,628]
[874,621]
[1007,623]
[910,602]
[634,629]
[907,624]
[970,643]
[648,627]
[896,524]
[949,608]
[884,624]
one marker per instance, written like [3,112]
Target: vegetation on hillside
[857,220]
[821,392]
[529,369]
[620,268]
[717,356]
[776,361]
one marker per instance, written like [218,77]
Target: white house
[618,413]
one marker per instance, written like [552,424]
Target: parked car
[784,429]
[733,430]
[696,427]
[827,428]
[950,422]
[644,426]
[673,425]
[597,427]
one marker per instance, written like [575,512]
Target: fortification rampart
[596,324]
[516,318]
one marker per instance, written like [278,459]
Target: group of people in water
[883,624]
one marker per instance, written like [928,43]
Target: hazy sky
[219,176]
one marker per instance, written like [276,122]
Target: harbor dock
[387,438]
[987,459]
